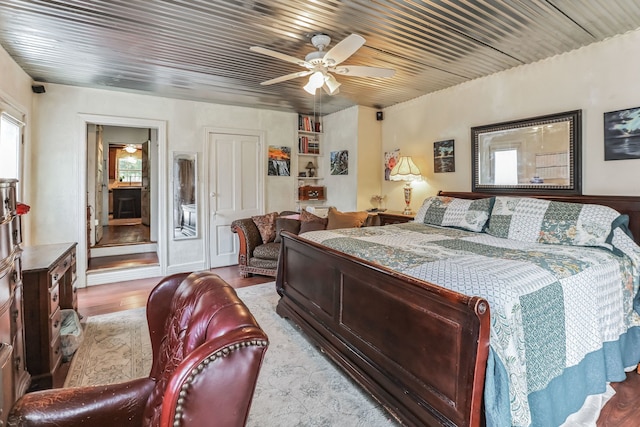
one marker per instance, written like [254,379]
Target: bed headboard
[629,205]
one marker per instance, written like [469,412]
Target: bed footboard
[419,349]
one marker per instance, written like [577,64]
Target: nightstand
[394,218]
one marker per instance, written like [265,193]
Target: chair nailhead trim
[224,352]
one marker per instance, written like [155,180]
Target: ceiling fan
[321,64]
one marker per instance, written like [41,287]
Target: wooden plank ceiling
[197,49]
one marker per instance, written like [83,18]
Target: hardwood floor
[124,234]
[102,299]
[623,410]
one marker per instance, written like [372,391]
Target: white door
[236,188]
[145,199]
[99,183]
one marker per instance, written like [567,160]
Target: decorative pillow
[311,222]
[517,218]
[339,219]
[266,225]
[466,214]
[560,223]
[286,224]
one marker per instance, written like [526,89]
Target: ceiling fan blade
[331,85]
[363,71]
[343,50]
[282,56]
[286,77]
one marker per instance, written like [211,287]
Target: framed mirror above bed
[539,155]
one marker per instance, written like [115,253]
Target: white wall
[354,129]
[55,159]
[370,164]
[598,78]
[340,133]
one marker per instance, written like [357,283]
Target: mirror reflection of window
[506,167]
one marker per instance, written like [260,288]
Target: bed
[473,323]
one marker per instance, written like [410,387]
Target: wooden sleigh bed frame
[419,349]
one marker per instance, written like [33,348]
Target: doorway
[118,196]
[235,188]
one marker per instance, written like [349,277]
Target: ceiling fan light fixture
[315,82]
[332,85]
[317,79]
[130,148]
[310,89]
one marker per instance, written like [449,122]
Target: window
[10,137]
[130,167]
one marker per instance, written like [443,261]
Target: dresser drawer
[5,326]
[55,354]
[54,299]
[58,271]
[55,323]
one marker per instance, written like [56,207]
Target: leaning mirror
[185,207]
[537,155]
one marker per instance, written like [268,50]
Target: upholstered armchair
[254,255]
[207,353]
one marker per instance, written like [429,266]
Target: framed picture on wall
[622,134]
[443,156]
[390,160]
[339,162]
[279,161]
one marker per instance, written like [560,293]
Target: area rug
[297,386]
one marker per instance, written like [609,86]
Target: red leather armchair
[207,353]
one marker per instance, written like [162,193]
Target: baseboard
[185,268]
[102,277]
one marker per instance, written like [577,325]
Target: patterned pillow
[466,214]
[311,222]
[560,223]
[266,225]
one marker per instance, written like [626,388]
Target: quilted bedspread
[562,317]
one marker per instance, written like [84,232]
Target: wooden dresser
[14,379]
[49,276]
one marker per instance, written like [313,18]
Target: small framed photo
[622,134]
[443,156]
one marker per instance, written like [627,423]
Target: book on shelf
[308,124]
[308,145]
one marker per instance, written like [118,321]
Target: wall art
[622,134]
[279,161]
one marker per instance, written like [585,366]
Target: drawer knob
[55,276]
[64,264]
[54,298]
[55,324]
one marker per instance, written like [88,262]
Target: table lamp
[406,170]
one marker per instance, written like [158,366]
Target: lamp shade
[405,170]
[316,80]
